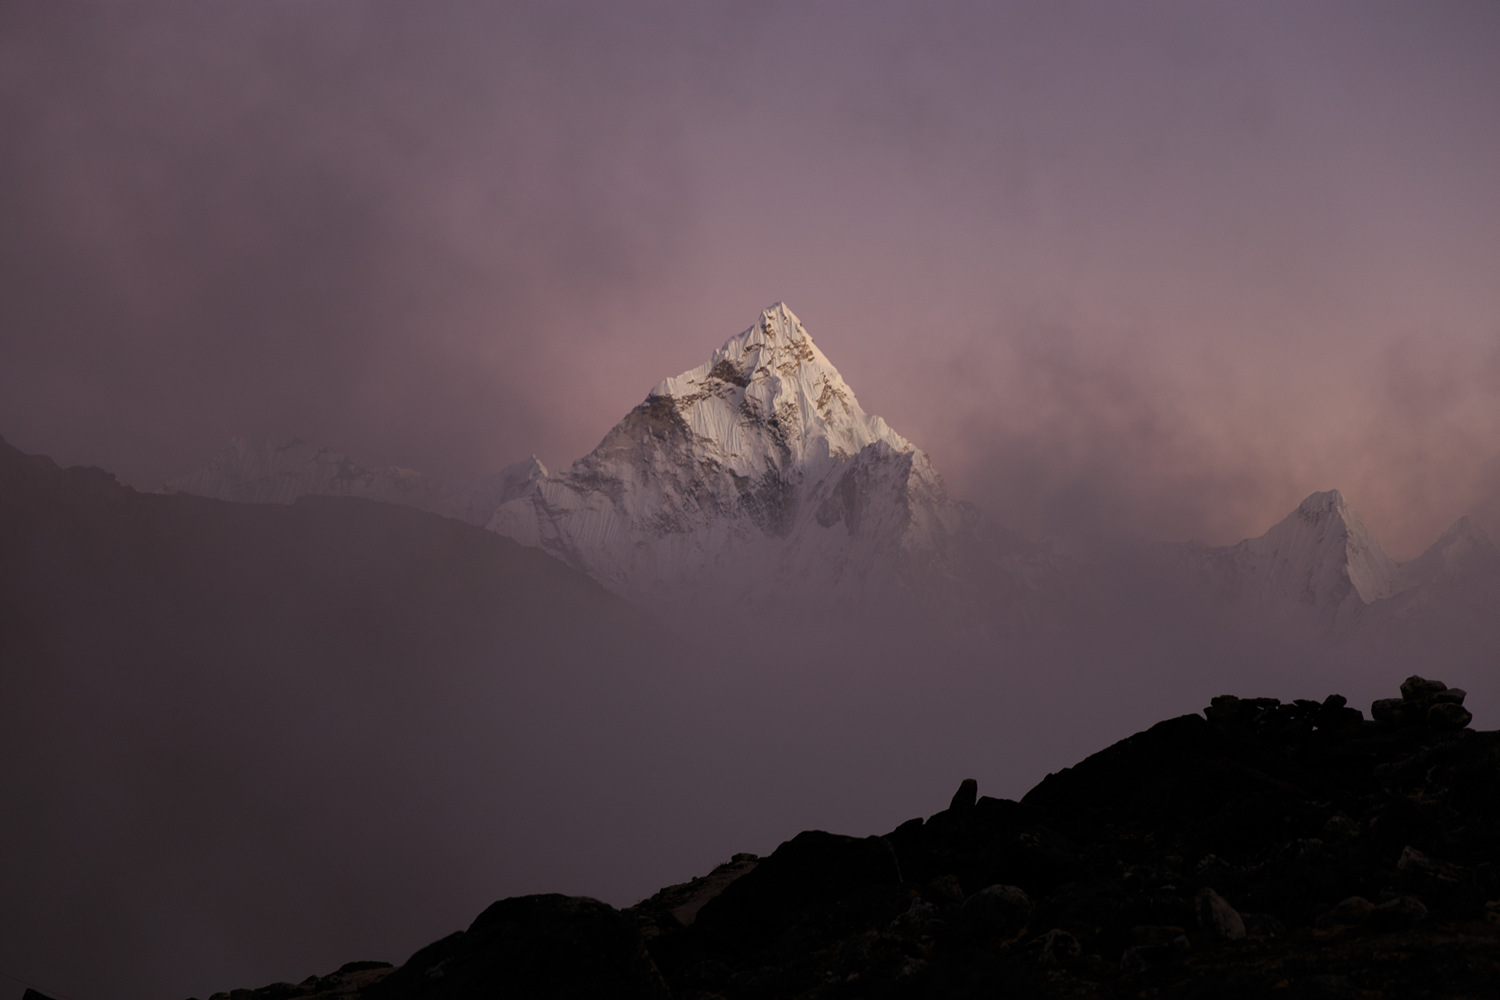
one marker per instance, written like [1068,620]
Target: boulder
[1448,716]
[1217,918]
[1416,688]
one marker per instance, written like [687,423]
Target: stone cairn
[1424,705]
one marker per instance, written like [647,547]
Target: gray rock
[1217,918]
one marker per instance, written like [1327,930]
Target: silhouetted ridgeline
[1267,849]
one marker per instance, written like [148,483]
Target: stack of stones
[1424,704]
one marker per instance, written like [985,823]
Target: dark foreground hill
[1259,850]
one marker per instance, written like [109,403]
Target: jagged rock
[1217,918]
[965,797]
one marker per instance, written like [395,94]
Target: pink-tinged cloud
[1163,269]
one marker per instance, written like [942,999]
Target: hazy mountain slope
[262,471]
[234,735]
[1448,600]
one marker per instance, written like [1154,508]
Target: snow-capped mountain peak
[1463,550]
[755,476]
[771,381]
[1320,556]
[1325,540]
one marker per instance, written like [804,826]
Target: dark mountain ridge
[1260,849]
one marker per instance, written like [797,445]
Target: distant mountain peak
[1323,503]
[1461,552]
[756,475]
[1321,556]
[1326,547]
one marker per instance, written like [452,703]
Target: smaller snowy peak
[1464,550]
[1327,547]
[1321,557]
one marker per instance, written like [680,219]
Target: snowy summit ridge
[772,376]
[756,472]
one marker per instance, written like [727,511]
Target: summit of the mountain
[755,476]
[771,385]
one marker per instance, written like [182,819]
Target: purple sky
[1168,267]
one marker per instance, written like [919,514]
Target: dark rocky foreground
[1261,849]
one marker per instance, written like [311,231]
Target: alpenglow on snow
[756,476]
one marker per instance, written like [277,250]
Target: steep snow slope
[1320,557]
[262,471]
[757,476]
